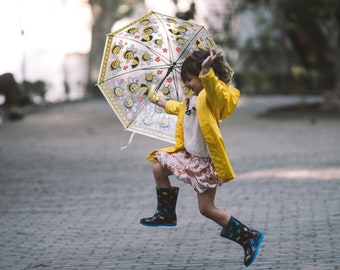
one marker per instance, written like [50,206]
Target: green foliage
[290,33]
[269,82]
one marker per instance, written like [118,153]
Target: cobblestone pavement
[71,199]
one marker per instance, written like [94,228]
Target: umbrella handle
[153,95]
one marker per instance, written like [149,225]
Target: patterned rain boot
[165,214]
[249,239]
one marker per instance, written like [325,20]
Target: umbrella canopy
[149,51]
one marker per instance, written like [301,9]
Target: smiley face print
[129,55]
[146,56]
[180,41]
[133,87]
[118,91]
[159,42]
[132,30]
[148,31]
[128,102]
[164,123]
[166,90]
[145,22]
[182,29]
[115,64]
[116,49]
[149,77]
[171,21]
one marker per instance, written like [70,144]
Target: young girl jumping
[199,156]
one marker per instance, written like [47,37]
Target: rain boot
[165,214]
[249,239]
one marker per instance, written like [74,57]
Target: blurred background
[54,48]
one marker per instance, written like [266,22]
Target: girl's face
[194,83]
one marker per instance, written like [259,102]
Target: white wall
[51,29]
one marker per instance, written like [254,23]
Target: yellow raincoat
[215,102]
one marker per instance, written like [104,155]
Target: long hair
[193,65]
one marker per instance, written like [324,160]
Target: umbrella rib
[171,56]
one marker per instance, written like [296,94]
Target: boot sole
[157,225]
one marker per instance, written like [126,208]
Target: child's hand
[206,65]
[153,97]
[156,98]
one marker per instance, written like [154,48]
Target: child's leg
[206,204]
[165,214]
[234,230]
[161,176]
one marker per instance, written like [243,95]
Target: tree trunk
[313,48]
[103,18]
[332,98]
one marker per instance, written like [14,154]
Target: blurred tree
[310,26]
[105,13]
[187,14]
[313,29]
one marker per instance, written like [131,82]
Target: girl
[199,156]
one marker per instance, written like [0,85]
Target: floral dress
[193,164]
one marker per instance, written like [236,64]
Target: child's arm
[161,102]
[223,97]
[170,106]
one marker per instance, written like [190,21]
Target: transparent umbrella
[149,51]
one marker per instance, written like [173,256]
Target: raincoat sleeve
[222,96]
[172,107]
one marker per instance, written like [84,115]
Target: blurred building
[47,41]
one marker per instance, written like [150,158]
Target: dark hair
[193,65]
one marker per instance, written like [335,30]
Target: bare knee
[206,204]
[159,170]
[161,175]
[206,210]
